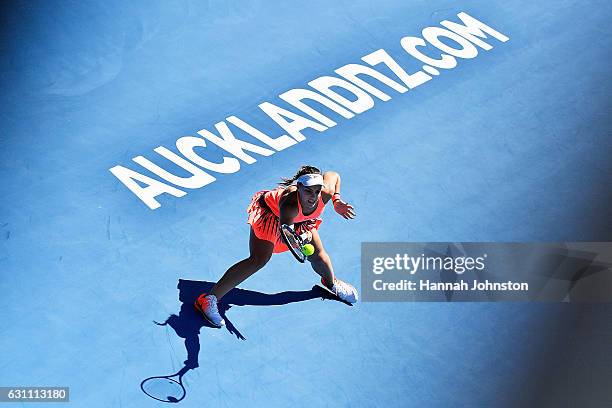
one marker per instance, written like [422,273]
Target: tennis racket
[165,388]
[294,241]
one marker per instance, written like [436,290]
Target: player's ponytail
[303,170]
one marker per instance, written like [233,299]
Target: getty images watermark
[446,271]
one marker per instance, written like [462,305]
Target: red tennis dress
[263,216]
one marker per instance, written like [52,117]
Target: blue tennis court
[97,288]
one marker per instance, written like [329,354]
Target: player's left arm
[331,191]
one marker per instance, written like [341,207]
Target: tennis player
[298,201]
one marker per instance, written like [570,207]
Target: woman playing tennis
[297,202]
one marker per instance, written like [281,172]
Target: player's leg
[260,253]
[320,261]
[322,264]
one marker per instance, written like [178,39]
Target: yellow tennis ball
[308,249]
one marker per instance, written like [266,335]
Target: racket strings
[294,242]
[163,389]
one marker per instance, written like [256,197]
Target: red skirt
[266,225]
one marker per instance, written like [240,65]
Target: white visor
[311,180]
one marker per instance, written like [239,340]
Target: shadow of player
[188,322]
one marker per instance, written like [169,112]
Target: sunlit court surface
[134,135]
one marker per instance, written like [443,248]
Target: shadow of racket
[167,388]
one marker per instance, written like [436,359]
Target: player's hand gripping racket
[296,243]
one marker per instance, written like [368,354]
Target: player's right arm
[288,206]
[288,210]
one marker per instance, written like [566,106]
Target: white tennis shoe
[343,290]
